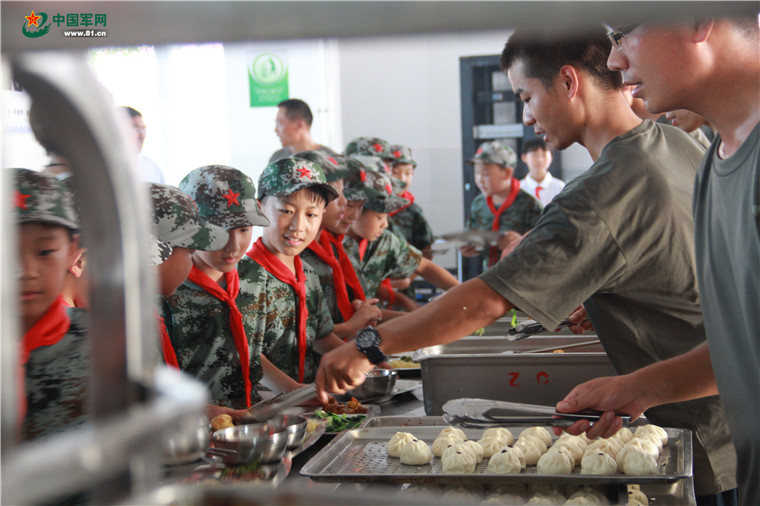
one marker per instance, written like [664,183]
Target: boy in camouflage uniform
[55,349]
[377,252]
[203,321]
[501,205]
[280,297]
[409,221]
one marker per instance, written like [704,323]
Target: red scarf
[275,267]
[408,196]
[493,254]
[236,318]
[324,252]
[352,280]
[48,330]
[363,243]
[166,344]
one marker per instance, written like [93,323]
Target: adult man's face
[546,110]
[656,62]
[286,128]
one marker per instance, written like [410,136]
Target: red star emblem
[333,160]
[32,19]
[305,172]
[377,147]
[362,175]
[232,197]
[21,200]
[397,154]
[388,189]
[480,150]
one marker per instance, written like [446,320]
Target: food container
[295,427]
[188,442]
[494,368]
[379,383]
[246,444]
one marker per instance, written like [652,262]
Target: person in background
[293,127]
[46,135]
[501,206]
[149,170]
[55,347]
[693,124]
[539,181]
[409,222]
[711,67]
[280,297]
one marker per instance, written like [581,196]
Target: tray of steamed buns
[432,454]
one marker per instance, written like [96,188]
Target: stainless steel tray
[359,455]
[406,421]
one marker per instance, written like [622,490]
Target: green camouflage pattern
[158,251]
[388,256]
[521,216]
[225,196]
[371,163]
[56,380]
[385,200]
[269,309]
[177,222]
[402,154]
[495,152]
[355,188]
[288,175]
[332,167]
[43,198]
[410,223]
[369,146]
[198,325]
[325,274]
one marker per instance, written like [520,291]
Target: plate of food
[337,416]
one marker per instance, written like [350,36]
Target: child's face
[404,172]
[173,272]
[227,258]
[538,162]
[295,221]
[492,178]
[370,224]
[46,252]
[353,210]
[336,208]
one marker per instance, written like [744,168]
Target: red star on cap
[480,150]
[362,175]
[32,19]
[388,189]
[232,197]
[21,200]
[397,154]
[305,172]
[377,147]
[333,160]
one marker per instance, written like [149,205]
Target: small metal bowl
[246,444]
[378,383]
[295,426]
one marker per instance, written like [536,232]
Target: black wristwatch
[368,342]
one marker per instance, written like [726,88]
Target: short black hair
[535,145]
[543,57]
[296,108]
[133,113]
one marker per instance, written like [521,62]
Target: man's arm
[457,313]
[435,274]
[682,378]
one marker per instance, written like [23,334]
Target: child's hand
[366,312]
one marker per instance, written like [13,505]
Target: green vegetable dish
[339,423]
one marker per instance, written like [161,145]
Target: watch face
[365,338]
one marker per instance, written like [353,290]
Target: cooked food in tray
[352,407]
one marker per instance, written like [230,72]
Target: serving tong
[266,409]
[530,327]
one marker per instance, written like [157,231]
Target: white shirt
[149,170]
[544,191]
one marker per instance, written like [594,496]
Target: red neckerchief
[339,282]
[391,293]
[493,254]
[232,278]
[349,274]
[408,196]
[48,330]
[276,268]
[363,248]
[166,344]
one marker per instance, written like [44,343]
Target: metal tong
[264,410]
[545,415]
[524,330]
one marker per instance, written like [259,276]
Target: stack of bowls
[247,444]
[379,383]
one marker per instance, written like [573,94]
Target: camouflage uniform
[287,151]
[325,276]
[288,175]
[55,375]
[409,222]
[197,322]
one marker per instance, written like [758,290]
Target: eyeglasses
[617,35]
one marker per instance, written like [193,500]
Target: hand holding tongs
[266,409]
[524,330]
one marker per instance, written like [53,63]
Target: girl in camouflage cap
[202,318]
[280,297]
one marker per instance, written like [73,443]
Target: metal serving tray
[477,367]
[359,455]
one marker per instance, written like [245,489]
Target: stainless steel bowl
[246,444]
[187,441]
[295,427]
[378,383]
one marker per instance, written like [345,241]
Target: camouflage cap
[225,196]
[159,250]
[402,154]
[332,167]
[177,222]
[369,146]
[371,163]
[356,188]
[41,197]
[495,152]
[385,201]
[288,175]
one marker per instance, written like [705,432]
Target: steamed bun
[416,453]
[506,461]
[398,440]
